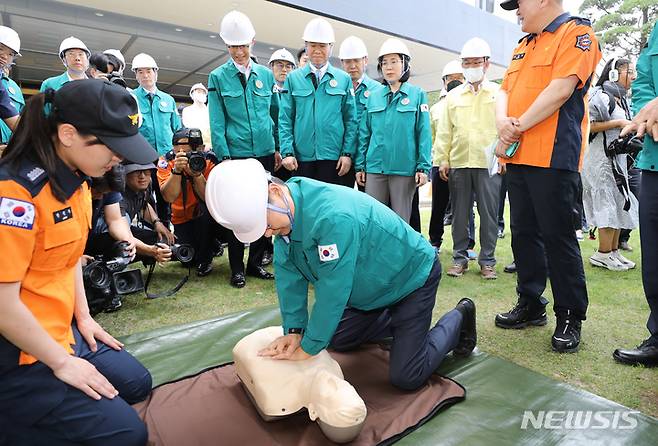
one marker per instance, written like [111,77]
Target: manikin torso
[280,387]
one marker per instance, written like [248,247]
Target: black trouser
[321,170]
[414,219]
[501,202]
[199,233]
[102,244]
[416,350]
[634,180]
[257,248]
[542,202]
[649,242]
[440,199]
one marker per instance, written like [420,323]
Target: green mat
[500,394]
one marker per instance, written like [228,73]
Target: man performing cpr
[374,277]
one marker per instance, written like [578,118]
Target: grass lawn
[616,317]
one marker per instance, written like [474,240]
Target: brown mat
[212,408]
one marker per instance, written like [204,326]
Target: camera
[113,180]
[116,78]
[196,160]
[184,253]
[629,144]
[104,279]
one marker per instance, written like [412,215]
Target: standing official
[645,104]
[282,62]
[239,102]
[317,118]
[160,118]
[466,127]
[452,77]
[542,105]
[353,56]
[75,57]
[395,140]
[10,47]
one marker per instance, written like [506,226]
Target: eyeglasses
[281,65]
[391,63]
[139,173]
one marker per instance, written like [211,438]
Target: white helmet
[452,67]
[118,55]
[352,48]
[198,86]
[283,54]
[319,30]
[236,29]
[475,47]
[236,196]
[394,46]
[10,39]
[143,60]
[72,43]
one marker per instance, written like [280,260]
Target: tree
[622,24]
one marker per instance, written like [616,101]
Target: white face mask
[199,96]
[473,75]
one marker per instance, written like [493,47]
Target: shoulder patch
[16,213]
[583,42]
[328,253]
[163,164]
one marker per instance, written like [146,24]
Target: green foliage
[622,24]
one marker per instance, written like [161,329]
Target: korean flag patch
[328,252]
[16,213]
[424,108]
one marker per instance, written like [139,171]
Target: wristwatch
[298,331]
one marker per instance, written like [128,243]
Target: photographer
[182,175]
[606,206]
[138,205]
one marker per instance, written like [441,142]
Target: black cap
[108,112]
[181,133]
[132,167]
[510,5]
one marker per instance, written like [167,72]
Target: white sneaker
[623,260]
[607,260]
[579,235]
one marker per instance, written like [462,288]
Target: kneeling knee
[139,388]
[405,382]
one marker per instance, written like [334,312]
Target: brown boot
[488,272]
[457,270]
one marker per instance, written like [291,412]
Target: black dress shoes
[267,259]
[238,280]
[260,272]
[645,354]
[203,269]
[467,333]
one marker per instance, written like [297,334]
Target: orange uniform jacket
[42,241]
[566,47]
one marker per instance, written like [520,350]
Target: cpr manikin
[196,115]
[281,387]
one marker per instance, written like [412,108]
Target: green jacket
[645,89]
[55,82]
[317,124]
[240,121]
[16,96]
[362,93]
[356,253]
[395,136]
[160,119]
